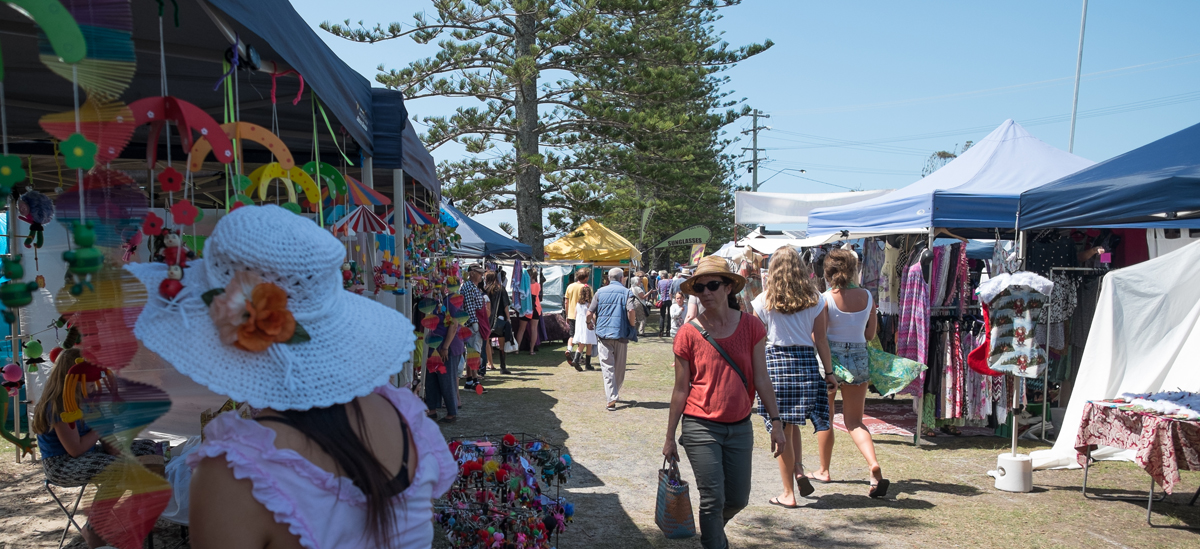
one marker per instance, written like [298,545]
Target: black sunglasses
[712,286]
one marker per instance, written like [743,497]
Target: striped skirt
[800,389]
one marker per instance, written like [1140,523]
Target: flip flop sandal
[879,490]
[775,501]
[806,487]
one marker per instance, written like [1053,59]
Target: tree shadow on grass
[646,405]
[775,531]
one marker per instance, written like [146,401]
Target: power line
[1192,58]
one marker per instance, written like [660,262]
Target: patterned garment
[472,298]
[799,386]
[914,316]
[890,373]
[889,282]
[1014,313]
[70,471]
[964,280]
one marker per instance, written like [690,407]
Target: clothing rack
[1050,309]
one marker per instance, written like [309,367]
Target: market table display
[1163,444]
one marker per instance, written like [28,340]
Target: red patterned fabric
[1162,445]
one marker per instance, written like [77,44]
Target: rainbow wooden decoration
[238,131]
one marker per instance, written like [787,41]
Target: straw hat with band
[263,318]
[714,265]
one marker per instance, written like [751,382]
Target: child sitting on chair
[70,456]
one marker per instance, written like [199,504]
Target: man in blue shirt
[613,309]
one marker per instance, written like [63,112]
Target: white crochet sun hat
[355,343]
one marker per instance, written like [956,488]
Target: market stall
[594,243]
[926,291]
[978,190]
[479,241]
[181,112]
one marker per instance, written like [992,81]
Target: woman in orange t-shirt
[712,401]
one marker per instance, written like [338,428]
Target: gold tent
[595,243]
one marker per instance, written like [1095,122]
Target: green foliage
[586,108]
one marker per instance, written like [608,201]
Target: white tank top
[847,327]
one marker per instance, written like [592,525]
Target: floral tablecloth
[1162,445]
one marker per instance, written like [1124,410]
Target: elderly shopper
[614,313]
[720,363]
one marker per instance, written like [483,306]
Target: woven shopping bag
[673,511]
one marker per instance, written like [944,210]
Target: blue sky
[860,93]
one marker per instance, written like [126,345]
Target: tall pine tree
[665,155]
[539,145]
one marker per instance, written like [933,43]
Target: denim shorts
[854,358]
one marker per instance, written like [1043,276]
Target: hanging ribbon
[162,6]
[329,127]
[237,41]
[275,74]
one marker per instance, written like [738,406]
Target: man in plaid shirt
[473,301]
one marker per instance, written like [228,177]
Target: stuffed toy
[85,260]
[14,293]
[37,210]
[172,285]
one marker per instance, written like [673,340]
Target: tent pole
[1013,412]
[398,215]
[368,179]
[15,336]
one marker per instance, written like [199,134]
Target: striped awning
[361,220]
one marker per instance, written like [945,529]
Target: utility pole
[1078,68]
[754,129]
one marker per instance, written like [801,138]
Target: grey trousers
[720,456]
[612,366]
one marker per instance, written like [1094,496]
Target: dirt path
[940,495]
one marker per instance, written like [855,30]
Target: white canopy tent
[1144,339]
[762,208]
[980,189]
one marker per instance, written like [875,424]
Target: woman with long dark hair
[336,456]
[499,314]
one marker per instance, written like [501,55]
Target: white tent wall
[762,208]
[1145,337]
[553,289]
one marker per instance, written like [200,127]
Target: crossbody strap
[695,324]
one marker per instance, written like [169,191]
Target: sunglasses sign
[691,236]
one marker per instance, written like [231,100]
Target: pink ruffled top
[322,509]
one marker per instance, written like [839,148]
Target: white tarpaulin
[1145,338]
[763,208]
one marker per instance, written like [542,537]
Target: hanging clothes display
[1015,307]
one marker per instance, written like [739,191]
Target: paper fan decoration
[113,202]
[108,67]
[108,125]
[130,497]
[361,220]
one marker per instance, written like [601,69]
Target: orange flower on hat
[269,322]
[251,314]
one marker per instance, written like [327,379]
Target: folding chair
[70,514]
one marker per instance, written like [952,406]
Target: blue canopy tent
[480,241]
[1156,185]
[978,190]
